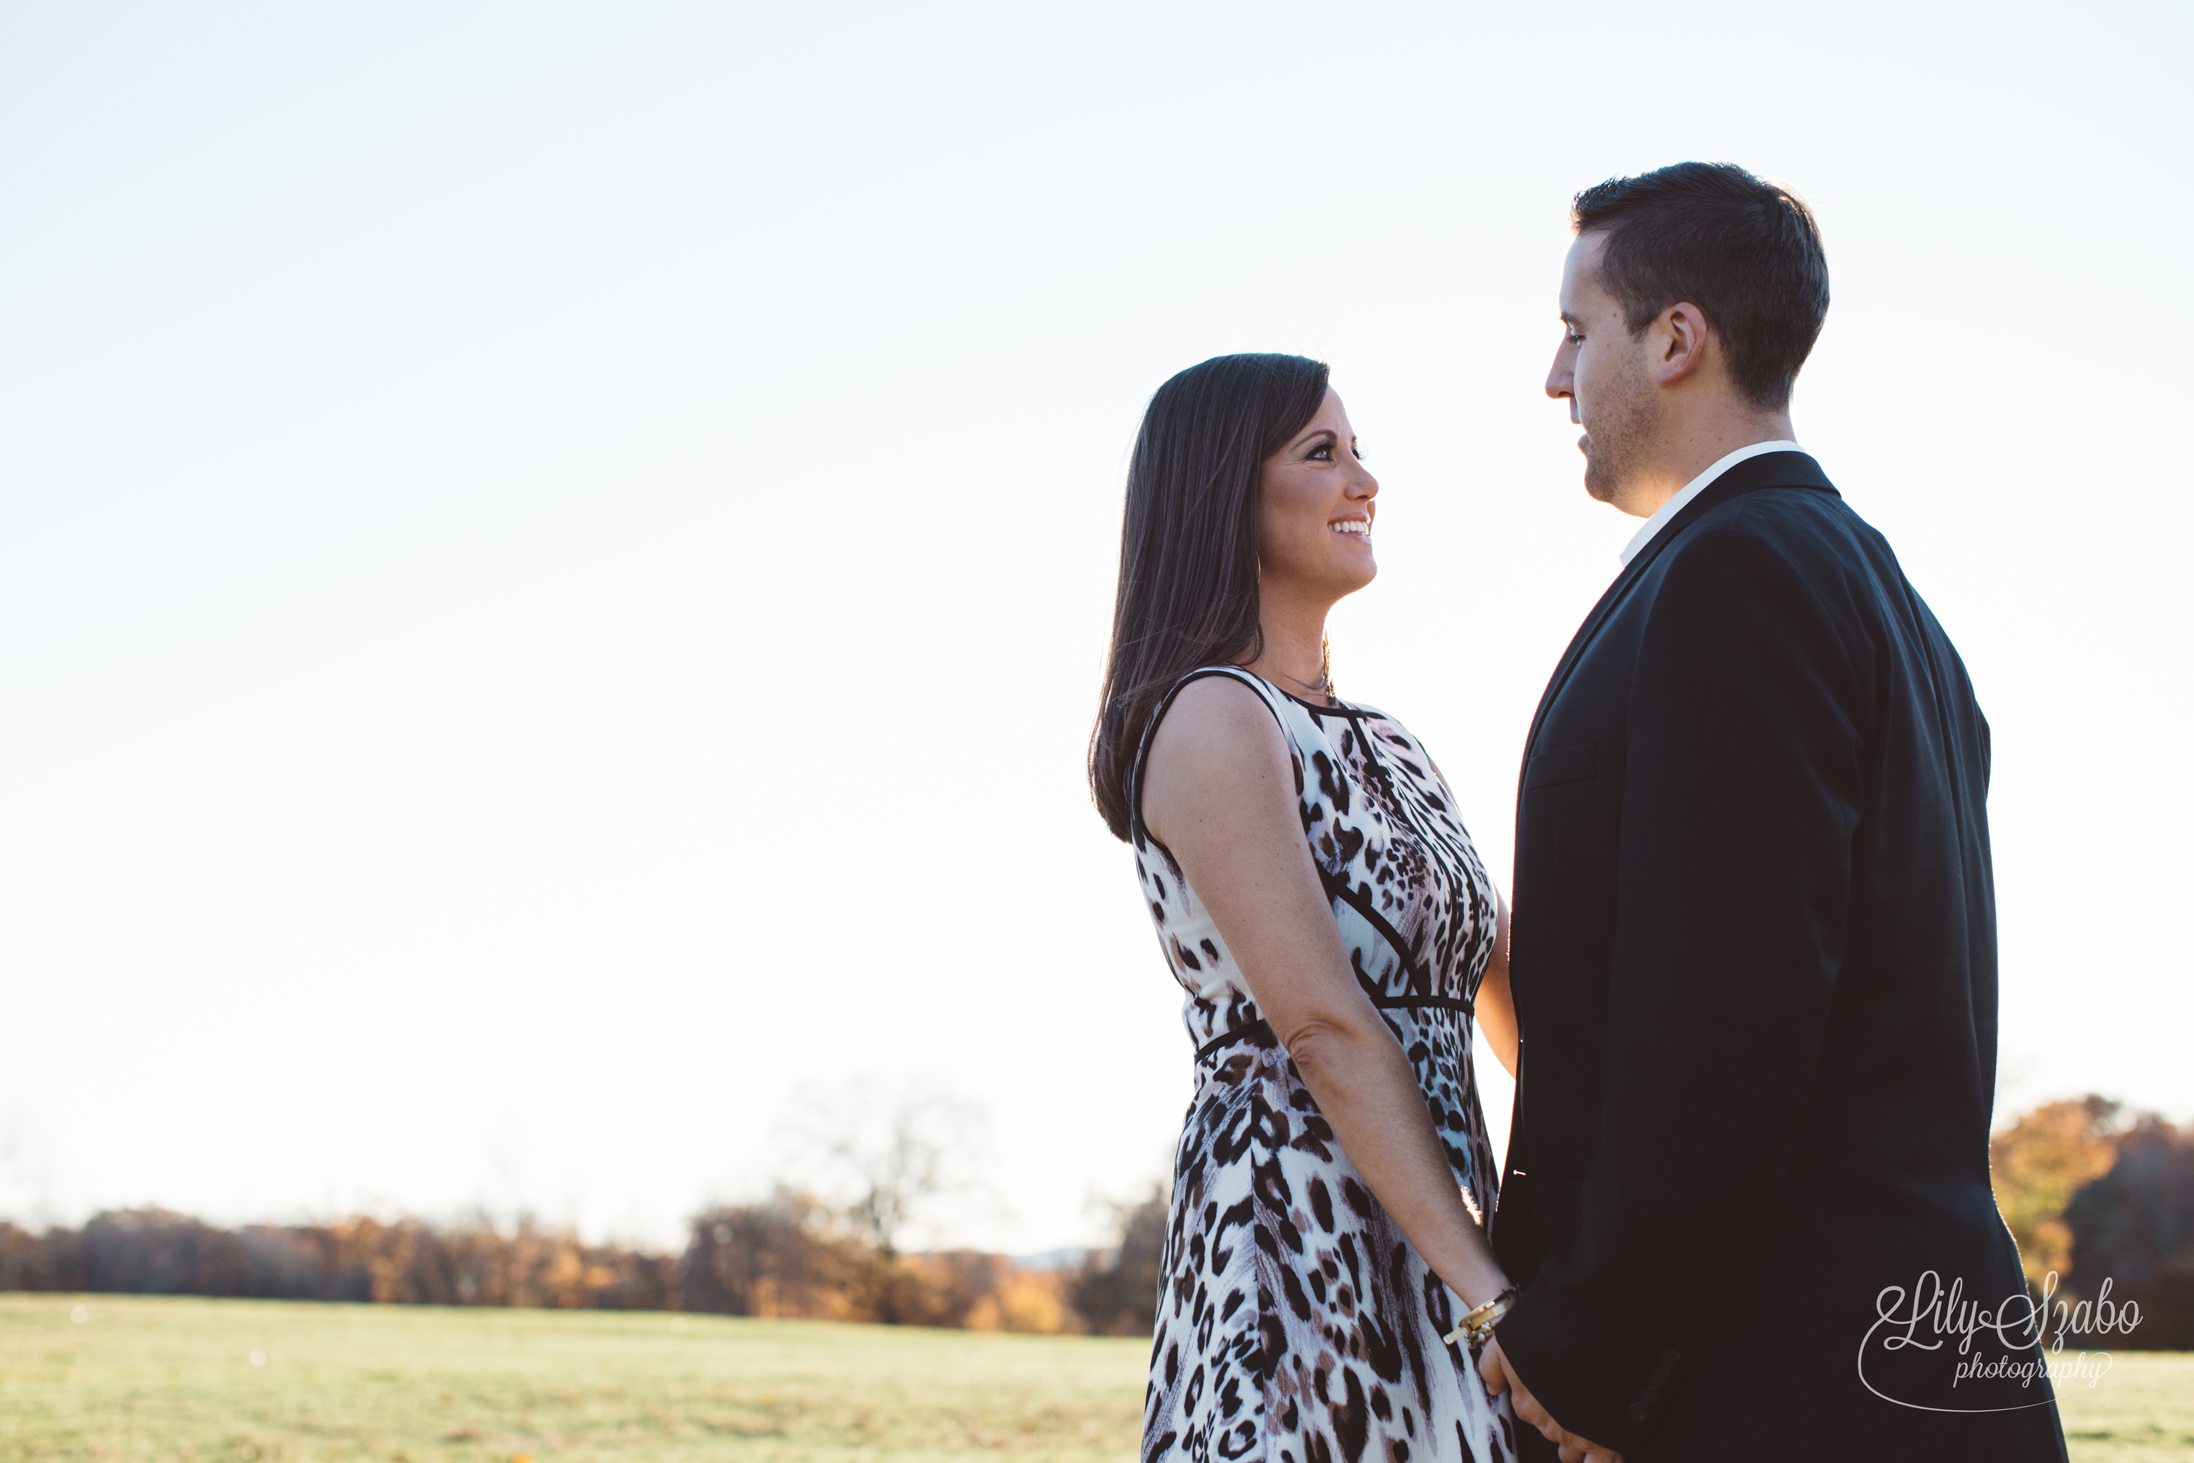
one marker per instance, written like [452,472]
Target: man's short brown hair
[1746,252]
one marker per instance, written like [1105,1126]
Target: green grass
[2139,1411]
[166,1378]
[173,1379]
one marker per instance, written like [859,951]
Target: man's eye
[1576,337]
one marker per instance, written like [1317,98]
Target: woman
[1319,901]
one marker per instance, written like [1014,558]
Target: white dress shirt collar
[1694,488]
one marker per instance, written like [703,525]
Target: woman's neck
[1293,656]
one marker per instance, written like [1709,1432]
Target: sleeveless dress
[1296,1324]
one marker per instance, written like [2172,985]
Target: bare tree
[893,1158]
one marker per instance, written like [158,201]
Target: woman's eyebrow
[1309,437]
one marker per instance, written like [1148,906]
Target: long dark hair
[1188,544]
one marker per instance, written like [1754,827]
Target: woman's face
[1314,526]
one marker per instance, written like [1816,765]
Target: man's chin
[1600,485]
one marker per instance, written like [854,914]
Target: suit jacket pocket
[1562,764]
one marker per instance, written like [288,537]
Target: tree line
[789,1255]
[2091,1192]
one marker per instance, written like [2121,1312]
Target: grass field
[147,1378]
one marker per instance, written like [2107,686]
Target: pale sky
[554,559]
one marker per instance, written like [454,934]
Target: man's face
[1602,372]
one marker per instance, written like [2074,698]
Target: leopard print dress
[1295,1323]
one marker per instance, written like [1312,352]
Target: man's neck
[1657,522]
[1692,451]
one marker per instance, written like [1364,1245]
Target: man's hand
[1501,1377]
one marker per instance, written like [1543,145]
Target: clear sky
[554,559]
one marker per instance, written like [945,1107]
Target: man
[1754,962]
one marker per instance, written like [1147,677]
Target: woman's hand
[1218,791]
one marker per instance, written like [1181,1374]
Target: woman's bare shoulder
[1219,737]
[1218,705]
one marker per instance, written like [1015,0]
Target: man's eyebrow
[1567,318]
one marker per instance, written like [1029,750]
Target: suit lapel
[1768,470]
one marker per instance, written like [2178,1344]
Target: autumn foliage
[2095,1195]
[792,1256]
[785,1256]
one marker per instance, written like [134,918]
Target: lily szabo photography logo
[1934,1334]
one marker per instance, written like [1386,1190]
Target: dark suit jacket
[1755,973]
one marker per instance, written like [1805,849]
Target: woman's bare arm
[1495,1004]
[1219,793]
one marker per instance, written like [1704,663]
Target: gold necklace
[1323,688]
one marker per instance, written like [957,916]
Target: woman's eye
[1322,453]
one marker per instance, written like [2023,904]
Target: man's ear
[1683,334]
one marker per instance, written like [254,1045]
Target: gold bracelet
[1478,1322]
[1477,1328]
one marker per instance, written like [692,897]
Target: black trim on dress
[1263,1028]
